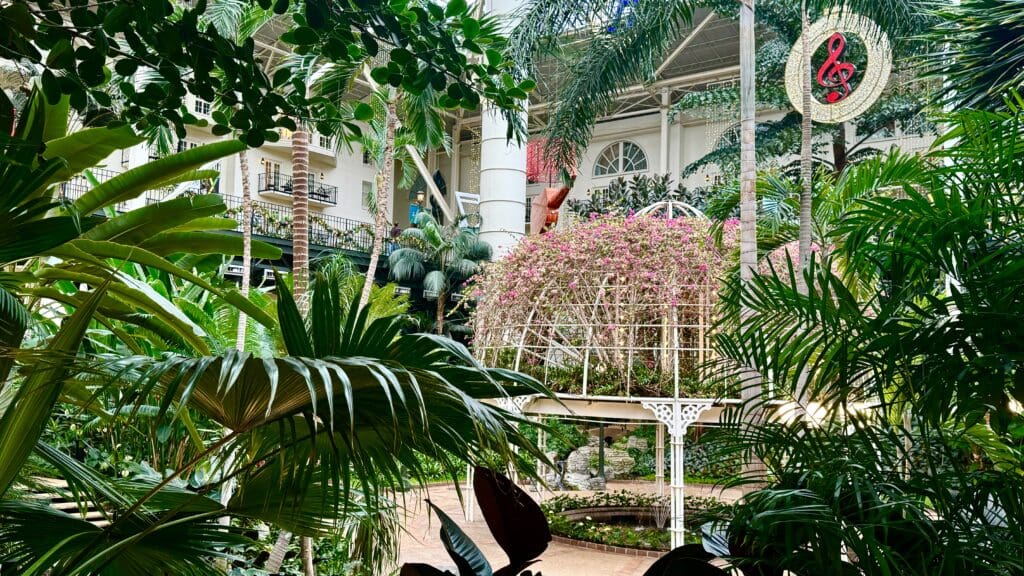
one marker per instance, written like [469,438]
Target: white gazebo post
[677,415]
[659,458]
[502,172]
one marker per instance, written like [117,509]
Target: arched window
[620,158]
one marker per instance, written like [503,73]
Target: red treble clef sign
[834,74]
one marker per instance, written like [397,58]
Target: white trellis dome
[609,307]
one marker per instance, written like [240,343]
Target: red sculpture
[544,209]
[835,74]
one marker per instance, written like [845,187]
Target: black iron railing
[78,185]
[183,189]
[318,190]
[275,221]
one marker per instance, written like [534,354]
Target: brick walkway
[421,542]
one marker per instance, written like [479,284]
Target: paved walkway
[421,542]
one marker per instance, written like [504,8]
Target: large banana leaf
[93,251]
[198,242]
[153,175]
[135,294]
[87,148]
[142,223]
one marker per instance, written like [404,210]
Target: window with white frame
[324,141]
[622,157]
[200,106]
[183,145]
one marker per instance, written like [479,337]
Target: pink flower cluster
[654,260]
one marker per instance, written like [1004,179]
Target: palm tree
[300,212]
[383,193]
[442,258]
[243,162]
[806,150]
[750,387]
[865,489]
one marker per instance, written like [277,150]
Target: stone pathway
[421,541]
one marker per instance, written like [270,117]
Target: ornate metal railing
[275,221]
[277,182]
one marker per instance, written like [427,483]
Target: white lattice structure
[615,341]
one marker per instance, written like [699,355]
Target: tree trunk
[441,298]
[306,553]
[300,215]
[750,379]
[806,159]
[278,552]
[243,161]
[385,181]
[839,149]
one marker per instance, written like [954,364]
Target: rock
[617,463]
[578,461]
[597,483]
[636,443]
[577,481]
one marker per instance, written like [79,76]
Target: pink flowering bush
[625,298]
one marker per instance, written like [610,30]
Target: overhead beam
[686,42]
[672,83]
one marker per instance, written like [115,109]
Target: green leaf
[470,28]
[194,242]
[152,175]
[293,326]
[90,249]
[23,422]
[87,148]
[363,112]
[455,8]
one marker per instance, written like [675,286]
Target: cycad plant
[440,258]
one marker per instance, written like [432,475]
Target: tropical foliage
[79,55]
[907,455]
[441,258]
[624,197]
[311,440]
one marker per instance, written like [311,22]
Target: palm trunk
[385,181]
[441,299]
[306,553]
[839,152]
[243,161]
[300,215]
[278,552]
[751,380]
[806,174]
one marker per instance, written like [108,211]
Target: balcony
[79,184]
[275,221]
[277,183]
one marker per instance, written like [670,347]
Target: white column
[502,173]
[678,485]
[677,416]
[664,150]
[470,501]
[659,458]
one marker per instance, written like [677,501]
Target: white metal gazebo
[613,343]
